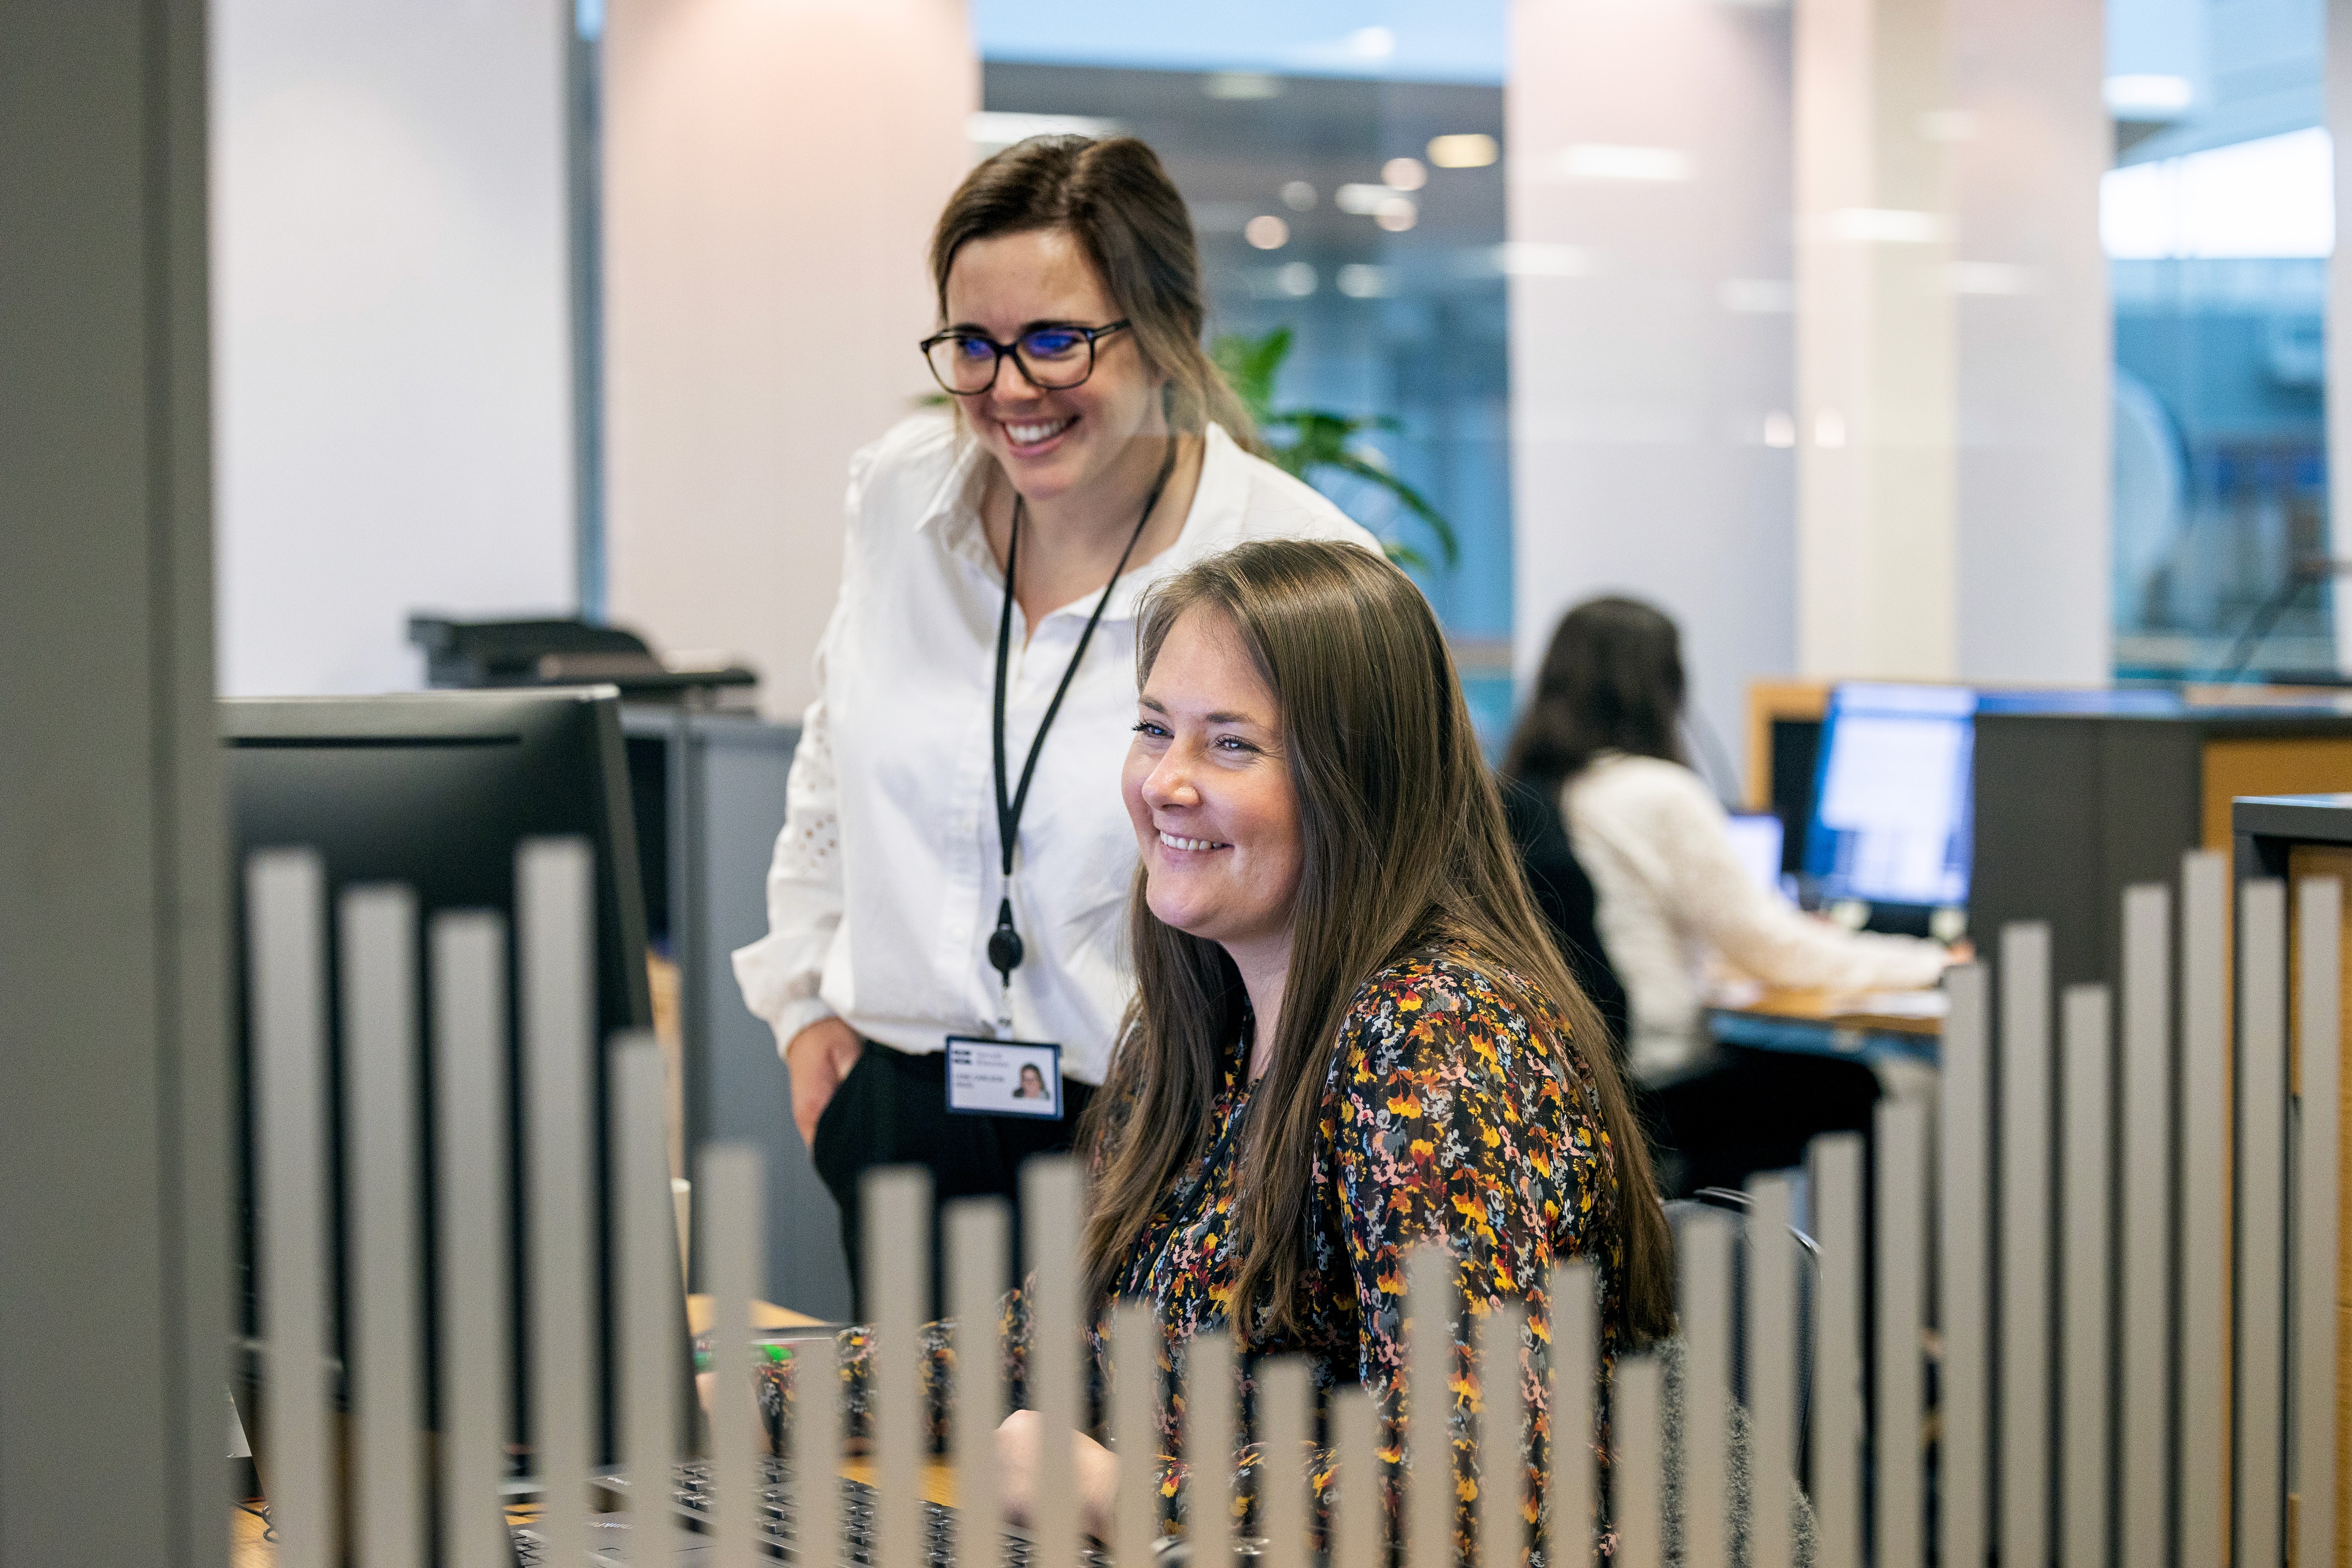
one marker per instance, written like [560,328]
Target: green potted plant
[1301,441]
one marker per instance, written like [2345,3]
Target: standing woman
[955,860]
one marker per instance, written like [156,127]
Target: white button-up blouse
[886,876]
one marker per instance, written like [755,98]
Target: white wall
[392,359]
[1650,329]
[772,169]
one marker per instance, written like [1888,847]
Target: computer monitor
[1892,804]
[435,791]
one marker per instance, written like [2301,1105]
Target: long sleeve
[781,973]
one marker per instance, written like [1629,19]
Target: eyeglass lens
[1054,357]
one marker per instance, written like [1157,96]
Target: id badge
[1005,1078]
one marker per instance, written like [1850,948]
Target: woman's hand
[818,1058]
[1018,1443]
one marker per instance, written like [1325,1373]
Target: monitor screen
[1892,805]
[1756,838]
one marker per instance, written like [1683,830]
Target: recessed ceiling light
[1266,232]
[1298,196]
[1403,174]
[2150,96]
[1396,213]
[1470,150]
[1241,86]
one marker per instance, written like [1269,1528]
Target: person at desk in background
[1601,738]
[1351,1031]
[953,859]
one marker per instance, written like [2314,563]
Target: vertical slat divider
[1900,1518]
[378,939]
[1572,1374]
[1500,1538]
[469,1119]
[1770,1355]
[1834,1163]
[1705,1246]
[729,1190]
[2023,1075]
[644,1295]
[1639,1446]
[2204,1188]
[1212,1426]
[1283,1407]
[1433,1297]
[1135,1429]
[2257,1515]
[813,1461]
[1357,1518]
[2145,1424]
[979,1238]
[2319,916]
[1051,1196]
[898,1214]
[556,931]
[287,917]
[2086,1361]
[1964,1273]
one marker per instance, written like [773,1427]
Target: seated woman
[1352,1032]
[1601,737]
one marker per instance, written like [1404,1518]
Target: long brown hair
[1405,849]
[1610,681]
[1113,196]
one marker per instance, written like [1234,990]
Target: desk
[1906,1026]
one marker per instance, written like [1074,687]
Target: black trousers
[892,1109]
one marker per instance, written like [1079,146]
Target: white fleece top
[1671,896]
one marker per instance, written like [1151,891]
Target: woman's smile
[1189,846]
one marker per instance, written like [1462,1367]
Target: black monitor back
[433,791]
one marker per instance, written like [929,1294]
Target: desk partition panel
[2024,1390]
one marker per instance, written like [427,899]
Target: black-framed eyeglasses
[1054,358]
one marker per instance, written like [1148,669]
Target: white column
[1649,158]
[392,343]
[772,169]
[2035,329]
[1874,352]
[1953,340]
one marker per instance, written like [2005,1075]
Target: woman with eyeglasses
[954,861]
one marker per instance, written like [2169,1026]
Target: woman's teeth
[1030,434]
[1174,842]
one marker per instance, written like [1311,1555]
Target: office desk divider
[2128,1356]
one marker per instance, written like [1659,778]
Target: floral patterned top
[1447,1117]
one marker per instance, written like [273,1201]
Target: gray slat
[2023,1072]
[1963,1272]
[2257,1515]
[1571,1382]
[1774,1257]
[2146,1424]
[897,1207]
[1431,1300]
[1284,1421]
[979,1243]
[1900,1517]
[2319,933]
[1051,1196]
[730,1189]
[1834,1166]
[645,1302]
[2086,1361]
[1640,1470]
[1704,1241]
[378,938]
[2203,1283]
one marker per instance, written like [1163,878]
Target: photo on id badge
[1005,1078]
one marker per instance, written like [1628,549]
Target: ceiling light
[1403,174]
[2150,96]
[1361,200]
[1296,280]
[1471,149]
[1396,213]
[1241,86]
[1266,232]
[1372,43]
[1359,281]
[994,128]
[1298,196]
[1601,161]
[1541,258]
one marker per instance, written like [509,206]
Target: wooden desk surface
[1919,1013]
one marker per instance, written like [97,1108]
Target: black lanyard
[1004,942]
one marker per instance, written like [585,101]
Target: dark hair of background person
[1405,849]
[1611,681]
[1112,195]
